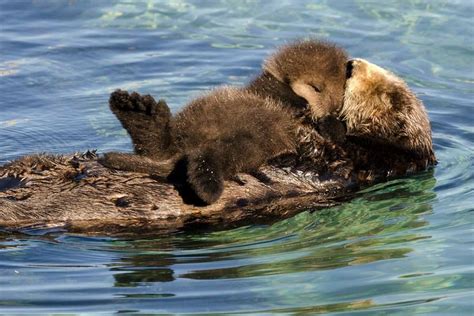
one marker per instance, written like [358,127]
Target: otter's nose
[349,68]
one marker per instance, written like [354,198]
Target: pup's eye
[316,88]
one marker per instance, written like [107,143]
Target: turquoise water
[401,248]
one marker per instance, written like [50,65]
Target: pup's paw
[205,177]
[146,121]
[121,101]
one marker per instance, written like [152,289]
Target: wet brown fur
[48,193]
[379,106]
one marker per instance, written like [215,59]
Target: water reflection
[378,225]
[143,268]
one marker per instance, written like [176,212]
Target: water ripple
[399,247]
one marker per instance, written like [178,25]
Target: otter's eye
[316,88]
[349,68]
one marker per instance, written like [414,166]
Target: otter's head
[379,105]
[315,70]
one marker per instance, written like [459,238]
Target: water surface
[402,247]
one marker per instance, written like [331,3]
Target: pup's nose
[349,67]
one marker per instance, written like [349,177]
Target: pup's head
[315,70]
[378,104]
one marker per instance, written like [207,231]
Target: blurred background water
[402,247]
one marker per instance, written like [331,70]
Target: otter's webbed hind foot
[146,121]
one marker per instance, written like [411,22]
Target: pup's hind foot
[123,101]
[146,120]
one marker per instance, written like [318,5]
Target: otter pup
[379,106]
[215,137]
[304,79]
[307,76]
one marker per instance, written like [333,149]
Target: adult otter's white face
[379,105]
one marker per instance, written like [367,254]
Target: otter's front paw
[205,177]
[332,128]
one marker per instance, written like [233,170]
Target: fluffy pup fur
[307,75]
[229,131]
[221,132]
[302,88]
[216,136]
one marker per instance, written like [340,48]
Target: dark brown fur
[217,136]
[227,132]
[146,121]
[317,63]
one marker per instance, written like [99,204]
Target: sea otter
[215,137]
[379,106]
[305,80]
[81,195]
